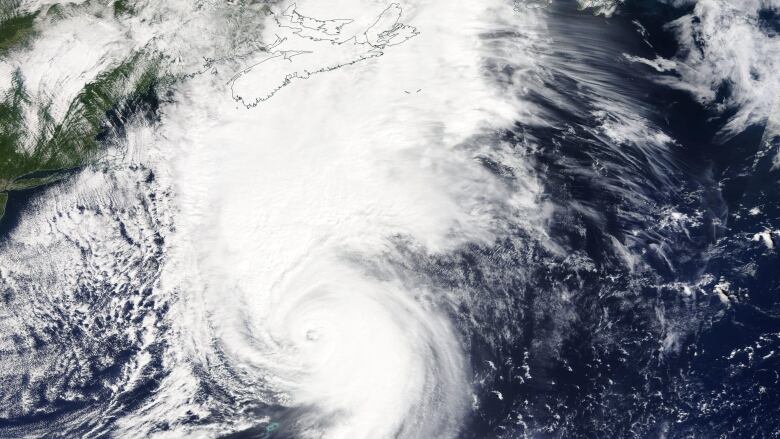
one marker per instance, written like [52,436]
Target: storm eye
[312,335]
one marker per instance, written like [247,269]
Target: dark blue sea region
[15,207]
[632,352]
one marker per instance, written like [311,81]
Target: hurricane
[377,219]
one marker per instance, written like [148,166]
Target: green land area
[32,157]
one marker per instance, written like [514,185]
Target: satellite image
[389,219]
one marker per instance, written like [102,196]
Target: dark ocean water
[648,351]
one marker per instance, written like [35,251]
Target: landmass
[305,46]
